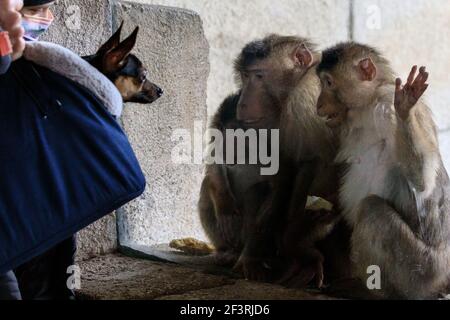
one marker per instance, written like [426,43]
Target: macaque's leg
[255,200]
[336,250]
[223,230]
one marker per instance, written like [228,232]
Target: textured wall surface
[80,25]
[413,32]
[83,32]
[173,46]
[230,24]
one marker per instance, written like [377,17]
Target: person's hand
[10,21]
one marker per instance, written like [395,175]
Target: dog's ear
[112,43]
[114,59]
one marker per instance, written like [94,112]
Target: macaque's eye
[327,82]
[259,76]
[245,75]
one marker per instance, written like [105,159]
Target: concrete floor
[117,277]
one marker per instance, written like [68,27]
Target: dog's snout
[159,92]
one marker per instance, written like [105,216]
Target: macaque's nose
[159,92]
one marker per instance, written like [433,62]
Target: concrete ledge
[115,277]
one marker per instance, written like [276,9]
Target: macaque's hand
[10,21]
[406,96]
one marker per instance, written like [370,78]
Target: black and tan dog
[125,70]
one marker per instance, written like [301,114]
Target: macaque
[394,191]
[254,220]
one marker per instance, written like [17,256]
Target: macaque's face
[266,84]
[345,88]
[258,103]
[329,104]
[42,11]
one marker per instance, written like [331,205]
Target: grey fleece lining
[66,63]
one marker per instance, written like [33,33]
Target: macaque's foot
[407,96]
[253,269]
[351,288]
[300,276]
[226,258]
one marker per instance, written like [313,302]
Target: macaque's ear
[367,69]
[112,43]
[302,57]
[116,58]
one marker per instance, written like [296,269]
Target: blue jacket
[64,162]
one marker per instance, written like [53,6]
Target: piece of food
[192,246]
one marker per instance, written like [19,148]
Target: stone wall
[173,46]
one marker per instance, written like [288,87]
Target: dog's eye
[143,76]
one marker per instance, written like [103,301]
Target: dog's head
[115,60]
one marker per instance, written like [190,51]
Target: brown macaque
[395,190]
[258,222]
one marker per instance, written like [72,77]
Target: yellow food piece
[317,204]
[192,246]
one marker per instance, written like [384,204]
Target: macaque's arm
[416,138]
[220,191]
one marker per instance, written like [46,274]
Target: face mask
[35,26]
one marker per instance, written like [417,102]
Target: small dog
[124,69]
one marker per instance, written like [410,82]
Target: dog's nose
[159,92]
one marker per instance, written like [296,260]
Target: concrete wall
[172,44]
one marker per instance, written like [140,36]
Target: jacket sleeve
[5,52]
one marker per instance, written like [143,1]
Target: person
[65,160]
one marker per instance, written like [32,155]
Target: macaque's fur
[265,207]
[394,193]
